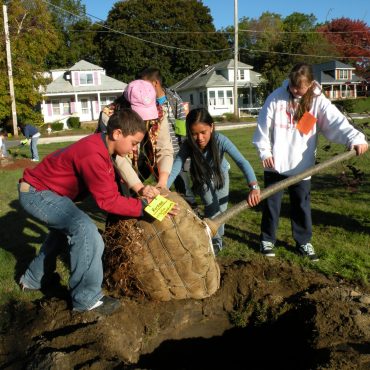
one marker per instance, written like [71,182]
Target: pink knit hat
[142,97]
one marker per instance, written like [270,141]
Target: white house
[212,88]
[81,90]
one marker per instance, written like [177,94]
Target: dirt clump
[266,314]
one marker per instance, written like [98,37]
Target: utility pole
[10,71]
[236,49]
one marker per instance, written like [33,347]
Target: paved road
[71,138]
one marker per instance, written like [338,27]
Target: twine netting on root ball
[171,259]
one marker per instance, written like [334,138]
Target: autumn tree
[178,36]
[31,38]
[351,38]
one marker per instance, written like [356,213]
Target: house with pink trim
[81,91]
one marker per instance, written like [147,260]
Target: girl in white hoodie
[286,139]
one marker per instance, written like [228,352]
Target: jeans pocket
[32,202]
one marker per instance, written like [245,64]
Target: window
[85,106]
[343,74]
[201,98]
[191,99]
[241,74]
[229,95]
[212,97]
[106,100]
[205,98]
[221,97]
[56,107]
[66,108]
[86,78]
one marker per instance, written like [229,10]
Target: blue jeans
[34,152]
[215,202]
[70,228]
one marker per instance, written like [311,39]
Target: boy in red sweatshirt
[48,192]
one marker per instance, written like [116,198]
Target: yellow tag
[159,207]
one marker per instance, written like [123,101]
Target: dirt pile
[11,163]
[267,314]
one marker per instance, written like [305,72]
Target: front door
[86,109]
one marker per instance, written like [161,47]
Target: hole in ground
[284,343]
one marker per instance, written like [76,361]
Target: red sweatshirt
[82,167]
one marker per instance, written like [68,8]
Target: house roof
[61,85]
[323,72]
[82,65]
[331,65]
[208,77]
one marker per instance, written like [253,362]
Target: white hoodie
[276,134]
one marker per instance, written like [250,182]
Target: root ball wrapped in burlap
[172,259]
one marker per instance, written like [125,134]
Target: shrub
[219,118]
[74,122]
[347,105]
[231,117]
[57,126]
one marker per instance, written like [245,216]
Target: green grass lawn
[340,209]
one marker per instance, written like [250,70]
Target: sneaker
[217,246]
[34,160]
[105,306]
[307,250]
[267,248]
[24,287]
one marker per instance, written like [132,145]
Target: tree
[31,39]
[158,30]
[76,32]
[298,42]
[258,38]
[82,44]
[351,38]
[272,44]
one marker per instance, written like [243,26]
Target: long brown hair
[202,171]
[301,74]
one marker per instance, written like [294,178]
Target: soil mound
[266,314]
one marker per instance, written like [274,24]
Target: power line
[140,39]
[301,55]
[208,32]
[305,32]
[108,29]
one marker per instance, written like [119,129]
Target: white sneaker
[267,248]
[35,160]
[307,250]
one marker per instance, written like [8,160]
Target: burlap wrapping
[176,259]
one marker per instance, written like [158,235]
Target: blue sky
[222,11]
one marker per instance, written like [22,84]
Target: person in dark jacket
[31,133]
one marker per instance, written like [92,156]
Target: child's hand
[253,197]
[174,211]
[148,192]
[268,163]
[361,148]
